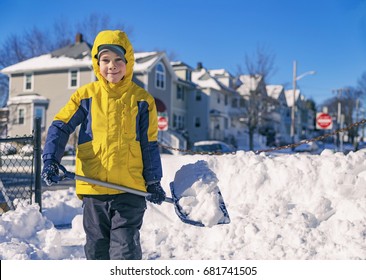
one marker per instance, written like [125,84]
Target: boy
[117,143]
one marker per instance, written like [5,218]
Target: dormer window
[28,82]
[160,76]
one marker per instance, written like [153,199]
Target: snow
[282,207]
[47,62]
[198,193]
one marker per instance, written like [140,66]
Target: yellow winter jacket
[117,141]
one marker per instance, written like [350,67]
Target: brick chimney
[78,38]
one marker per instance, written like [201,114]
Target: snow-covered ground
[285,207]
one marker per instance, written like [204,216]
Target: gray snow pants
[112,225]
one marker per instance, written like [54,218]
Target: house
[4,116]
[46,83]
[218,100]
[304,116]
[280,114]
[255,102]
[200,104]
[191,100]
[153,72]
[52,77]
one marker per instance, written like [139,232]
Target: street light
[294,79]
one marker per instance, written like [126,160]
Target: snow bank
[281,207]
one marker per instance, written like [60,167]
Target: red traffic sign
[162,123]
[323,121]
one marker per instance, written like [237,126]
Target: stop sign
[162,123]
[323,121]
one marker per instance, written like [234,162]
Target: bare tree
[362,84]
[349,99]
[94,23]
[255,100]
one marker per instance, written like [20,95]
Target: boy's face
[112,67]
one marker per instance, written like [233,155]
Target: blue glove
[50,172]
[157,194]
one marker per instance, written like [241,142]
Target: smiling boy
[117,143]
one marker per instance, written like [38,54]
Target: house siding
[58,94]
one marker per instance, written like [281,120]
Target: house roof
[289,94]
[73,56]
[76,51]
[180,64]
[204,79]
[145,60]
[65,58]
[46,62]
[248,83]
[23,98]
[274,91]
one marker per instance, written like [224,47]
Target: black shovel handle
[73,176]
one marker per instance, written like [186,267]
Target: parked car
[310,147]
[212,146]
[26,150]
[7,149]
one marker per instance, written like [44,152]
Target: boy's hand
[50,172]
[157,194]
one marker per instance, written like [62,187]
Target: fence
[20,165]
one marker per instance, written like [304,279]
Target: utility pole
[340,117]
[356,136]
[295,78]
[293,111]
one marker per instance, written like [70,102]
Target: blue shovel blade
[179,211]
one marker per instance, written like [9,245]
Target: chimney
[199,66]
[78,38]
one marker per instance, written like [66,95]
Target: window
[39,112]
[181,122]
[180,92]
[188,75]
[28,82]
[198,96]
[197,122]
[73,78]
[174,120]
[234,103]
[21,116]
[160,76]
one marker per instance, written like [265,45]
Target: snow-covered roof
[274,91]
[204,79]
[27,98]
[47,62]
[143,61]
[177,64]
[249,83]
[289,94]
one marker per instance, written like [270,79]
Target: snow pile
[281,207]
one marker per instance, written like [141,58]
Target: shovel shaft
[116,187]
[74,176]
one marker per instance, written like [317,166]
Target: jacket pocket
[135,163]
[88,160]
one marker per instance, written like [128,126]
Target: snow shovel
[178,209]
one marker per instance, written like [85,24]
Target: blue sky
[327,36]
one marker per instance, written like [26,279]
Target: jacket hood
[115,37]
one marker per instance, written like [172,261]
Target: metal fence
[20,163]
